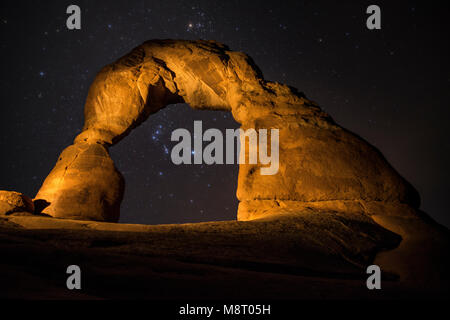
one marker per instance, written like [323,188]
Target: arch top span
[319,161]
[203,74]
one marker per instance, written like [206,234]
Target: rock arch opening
[158,191]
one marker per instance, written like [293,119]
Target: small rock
[11,201]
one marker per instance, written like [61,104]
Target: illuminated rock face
[318,161]
[12,202]
[84,185]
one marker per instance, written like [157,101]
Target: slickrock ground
[310,254]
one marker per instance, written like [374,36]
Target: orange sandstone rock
[84,184]
[319,160]
[11,202]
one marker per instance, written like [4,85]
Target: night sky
[390,86]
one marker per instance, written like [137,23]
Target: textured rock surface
[309,254]
[319,160]
[322,163]
[11,201]
[84,185]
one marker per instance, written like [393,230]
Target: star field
[390,86]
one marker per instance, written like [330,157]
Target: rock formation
[84,185]
[319,160]
[334,207]
[13,202]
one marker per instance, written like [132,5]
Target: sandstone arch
[322,165]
